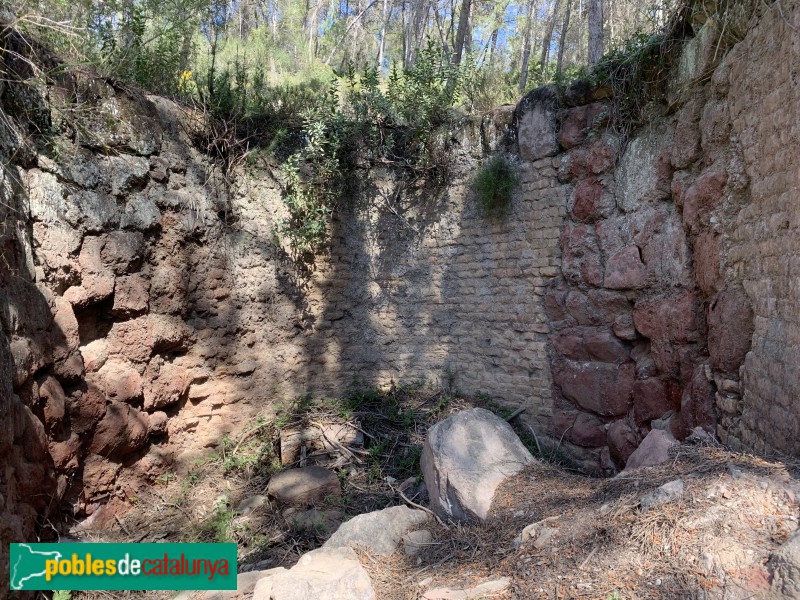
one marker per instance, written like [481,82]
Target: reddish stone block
[706,262]
[703,195]
[697,406]
[577,122]
[622,441]
[625,270]
[131,295]
[122,430]
[590,344]
[52,395]
[588,431]
[591,200]
[652,400]
[670,323]
[601,388]
[580,252]
[86,406]
[730,330]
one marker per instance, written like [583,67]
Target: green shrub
[494,185]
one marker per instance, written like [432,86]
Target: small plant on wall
[494,185]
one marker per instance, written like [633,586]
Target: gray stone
[329,573]
[380,531]
[306,486]
[415,542]
[668,492]
[246,583]
[249,504]
[127,173]
[91,212]
[483,590]
[465,458]
[784,566]
[141,213]
[536,124]
[321,522]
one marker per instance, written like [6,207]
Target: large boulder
[379,531]
[330,573]
[784,566]
[465,458]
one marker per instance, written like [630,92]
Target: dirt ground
[592,539]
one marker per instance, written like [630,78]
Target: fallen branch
[427,510]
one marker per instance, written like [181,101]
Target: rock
[536,124]
[86,406]
[95,355]
[651,399]
[591,200]
[601,388]
[157,423]
[65,454]
[140,214]
[580,428]
[784,566]
[131,295]
[91,212]
[415,542]
[625,270]
[576,123]
[589,343]
[465,458]
[122,430]
[99,475]
[321,522]
[669,323]
[119,380]
[166,384]
[127,173]
[122,251]
[653,450]
[246,584]
[580,251]
[730,330]
[52,394]
[64,333]
[622,441]
[305,486]
[329,573]
[379,531]
[669,492]
[705,194]
[706,262]
[483,590]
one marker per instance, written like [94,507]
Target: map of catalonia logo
[92,566]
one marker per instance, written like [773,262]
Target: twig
[588,558]
[427,510]
[433,566]
[516,413]
[336,444]
[536,439]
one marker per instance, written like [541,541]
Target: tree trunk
[462,32]
[548,37]
[595,31]
[382,46]
[562,40]
[526,49]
